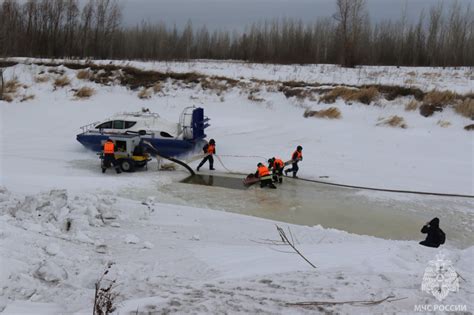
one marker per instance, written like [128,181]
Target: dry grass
[331,96]
[438,98]
[84,92]
[157,88]
[393,121]
[11,86]
[412,106]
[83,75]
[56,71]
[465,108]
[7,98]
[144,94]
[62,81]
[330,113]
[42,78]
[27,98]
[255,98]
[443,123]
[469,127]
[301,93]
[364,95]
[214,84]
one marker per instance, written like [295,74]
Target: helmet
[212,141]
[259,164]
[299,148]
[271,160]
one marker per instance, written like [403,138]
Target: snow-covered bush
[465,108]
[393,121]
[62,81]
[84,92]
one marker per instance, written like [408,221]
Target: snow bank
[459,79]
[232,268]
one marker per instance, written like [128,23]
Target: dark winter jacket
[435,235]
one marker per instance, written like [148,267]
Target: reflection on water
[218,181]
[331,207]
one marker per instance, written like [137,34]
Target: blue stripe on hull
[167,147]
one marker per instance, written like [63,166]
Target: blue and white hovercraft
[172,139]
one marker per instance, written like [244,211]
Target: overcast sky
[236,14]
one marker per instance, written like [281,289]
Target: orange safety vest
[279,163]
[109,147]
[299,155]
[211,149]
[263,171]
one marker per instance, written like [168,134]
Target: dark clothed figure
[109,157]
[209,149]
[435,236]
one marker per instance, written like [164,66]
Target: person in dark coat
[435,235]
[209,149]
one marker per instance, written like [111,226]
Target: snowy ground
[459,80]
[174,258]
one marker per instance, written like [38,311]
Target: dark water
[216,181]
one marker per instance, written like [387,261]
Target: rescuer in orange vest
[276,165]
[265,177]
[295,158]
[209,149]
[109,157]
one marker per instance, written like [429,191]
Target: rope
[360,187]
[244,156]
[228,170]
[386,190]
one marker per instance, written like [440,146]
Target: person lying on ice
[264,174]
[209,149]
[276,165]
[435,235]
[295,158]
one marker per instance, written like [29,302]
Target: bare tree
[93,29]
[1,84]
[350,15]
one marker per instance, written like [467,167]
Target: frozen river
[385,215]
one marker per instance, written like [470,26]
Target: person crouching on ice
[435,237]
[276,165]
[295,158]
[209,149]
[264,174]
[109,157]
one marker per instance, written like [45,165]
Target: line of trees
[442,36]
